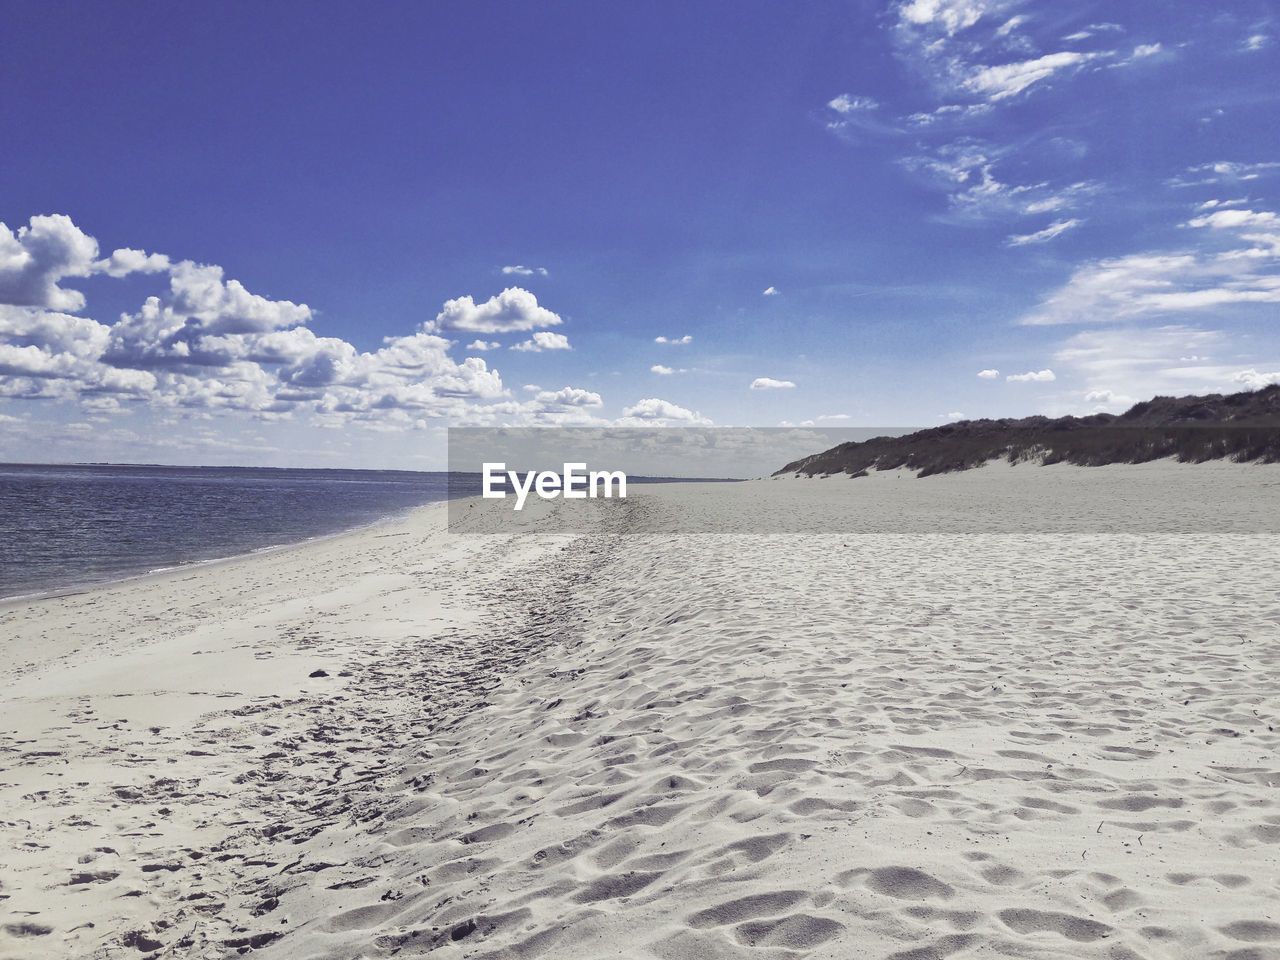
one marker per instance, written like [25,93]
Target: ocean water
[66,526]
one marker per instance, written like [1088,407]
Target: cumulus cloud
[522,271]
[653,411]
[664,371]
[34,258]
[543,340]
[125,261]
[1108,401]
[768,383]
[208,343]
[569,397]
[1253,380]
[206,321]
[676,340]
[483,345]
[1055,229]
[53,331]
[226,307]
[1035,376]
[511,310]
[988,374]
[771,291]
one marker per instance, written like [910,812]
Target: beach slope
[674,746]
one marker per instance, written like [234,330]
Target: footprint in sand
[901,883]
[747,908]
[1252,931]
[615,885]
[1078,929]
[799,931]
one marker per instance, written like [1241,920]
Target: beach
[1021,740]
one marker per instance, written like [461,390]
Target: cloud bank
[208,344]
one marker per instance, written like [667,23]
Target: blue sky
[319,234]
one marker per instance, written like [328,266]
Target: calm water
[62,526]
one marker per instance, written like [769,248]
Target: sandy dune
[713,746]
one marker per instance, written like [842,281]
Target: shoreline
[659,746]
[88,586]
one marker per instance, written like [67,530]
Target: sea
[63,527]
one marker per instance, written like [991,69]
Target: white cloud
[53,331]
[483,345]
[200,294]
[36,257]
[665,371]
[522,271]
[569,397]
[653,410]
[1099,396]
[207,344]
[1009,79]
[674,340]
[568,406]
[1108,401]
[1226,219]
[948,111]
[1093,29]
[1257,41]
[1144,362]
[1224,171]
[543,340]
[1217,204]
[512,309]
[947,16]
[835,416]
[771,291]
[125,261]
[1035,376]
[1145,50]
[1010,25]
[768,383]
[965,169]
[1055,229]
[988,374]
[961,161]
[991,198]
[1253,380]
[1169,282]
[847,103]
[953,415]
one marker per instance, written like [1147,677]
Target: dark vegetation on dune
[1240,426]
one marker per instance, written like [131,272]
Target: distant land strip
[1241,426]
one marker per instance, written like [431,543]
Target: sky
[320,234]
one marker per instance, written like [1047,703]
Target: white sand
[827,745]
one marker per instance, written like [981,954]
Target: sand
[675,746]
